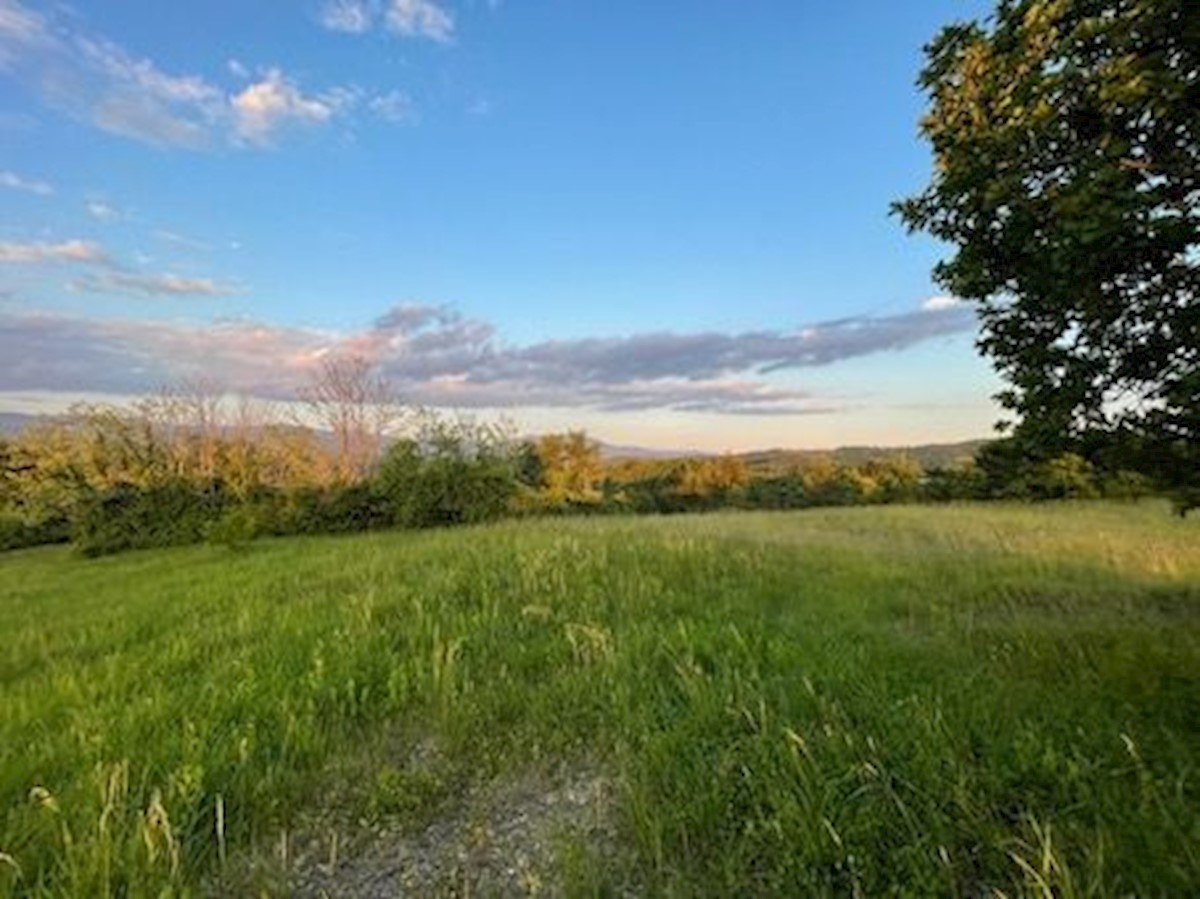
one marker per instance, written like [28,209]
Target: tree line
[192,464]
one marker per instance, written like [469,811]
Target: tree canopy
[1066,137]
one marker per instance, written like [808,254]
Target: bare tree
[357,407]
[188,418]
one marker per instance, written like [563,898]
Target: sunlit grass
[949,700]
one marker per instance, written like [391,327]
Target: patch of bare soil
[501,840]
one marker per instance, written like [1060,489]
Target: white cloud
[13,181]
[101,211]
[395,107]
[97,81]
[75,251]
[348,16]
[419,18]
[407,18]
[934,304]
[262,109]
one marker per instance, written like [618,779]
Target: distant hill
[612,452]
[928,455]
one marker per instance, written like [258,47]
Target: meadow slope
[853,701]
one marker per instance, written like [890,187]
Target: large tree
[1066,138]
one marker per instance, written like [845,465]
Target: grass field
[863,701]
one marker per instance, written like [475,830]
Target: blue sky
[664,222]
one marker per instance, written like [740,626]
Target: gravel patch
[501,840]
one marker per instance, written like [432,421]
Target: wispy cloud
[407,18]
[348,16]
[395,107]
[97,81]
[100,82]
[102,211]
[436,356]
[419,18]
[165,285]
[19,28]
[107,275]
[13,181]
[181,240]
[480,108]
[71,251]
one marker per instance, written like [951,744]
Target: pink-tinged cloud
[437,357]
[69,251]
[168,285]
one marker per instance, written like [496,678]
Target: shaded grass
[941,701]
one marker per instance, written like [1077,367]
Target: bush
[958,482]
[454,474]
[349,509]
[18,532]
[1126,485]
[237,526]
[784,491]
[129,517]
[330,510]
[1066,476]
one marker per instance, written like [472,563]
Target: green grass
[858,701]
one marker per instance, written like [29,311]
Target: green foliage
[237,527]
[957,482]
[129,517]
[1125,485]
[16,531]
[71,479]
[785,491]
[451,473]
[885,700]
[326,510]
[1067,143]
[1067,476]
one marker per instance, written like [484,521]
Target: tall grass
[950,701]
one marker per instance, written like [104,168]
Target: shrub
[1066,476]
[1126,485]
[18,532]
[237,526]
[958,482]
[317,510]
[453,473]
[778,492]
[129,517]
